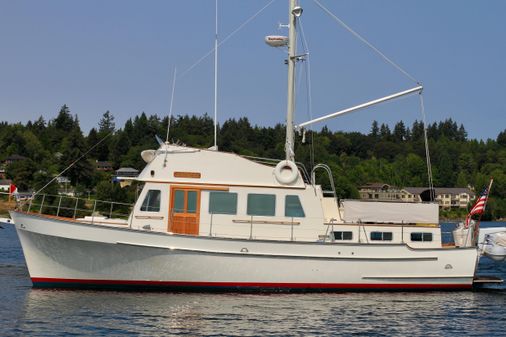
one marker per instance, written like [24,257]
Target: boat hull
[70,254]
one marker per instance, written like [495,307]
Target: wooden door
[184,210]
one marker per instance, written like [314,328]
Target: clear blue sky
[119,55]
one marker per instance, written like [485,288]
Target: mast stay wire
[309,100]
[427,154]
[72,164]
[367,43]
[171,102]
[400,69]
[235,31]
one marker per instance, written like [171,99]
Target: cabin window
[178,201]
[192,202]
[151,202]
[421,237]
[293,208]
[339,236]
[261,204]
[222,203]
[381,236]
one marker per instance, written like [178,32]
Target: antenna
[171,103]
[215,147]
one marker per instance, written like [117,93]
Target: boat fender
[286,172]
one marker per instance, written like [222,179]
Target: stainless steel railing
[75,207]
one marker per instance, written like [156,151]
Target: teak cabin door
[184,210]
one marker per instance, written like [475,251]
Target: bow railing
[85,209]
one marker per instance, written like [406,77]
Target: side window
[151,202]
[421,237]
[222,203]
[178,201]
[381,236]
[192,202]
[261,204]
[293,207]
[339,236]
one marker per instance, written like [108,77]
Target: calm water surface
[35,312]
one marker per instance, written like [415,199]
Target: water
[36,312]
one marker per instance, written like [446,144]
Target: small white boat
[494,243]
[6,221]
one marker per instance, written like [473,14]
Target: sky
[119,55]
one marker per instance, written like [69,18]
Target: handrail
[74,207]
[331,180]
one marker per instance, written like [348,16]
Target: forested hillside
[395,156]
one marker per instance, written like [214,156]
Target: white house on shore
[447,197]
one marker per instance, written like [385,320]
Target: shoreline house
[5,185]
[447,197]
[13,159]
[127,172]
[104,166]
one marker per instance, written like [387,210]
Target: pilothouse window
[151,202]
[261,204]
[293,207]
[222,203]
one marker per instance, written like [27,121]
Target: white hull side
[63,253]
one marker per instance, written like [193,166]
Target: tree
[417,131]
[64,121]
[22,172]
[501,138]
[385,132]
[374,133]
[106,128]
[399,134]
[106,124]
[91,141]
[72,148]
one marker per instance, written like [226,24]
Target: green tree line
[394,156]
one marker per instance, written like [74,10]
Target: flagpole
[477,227]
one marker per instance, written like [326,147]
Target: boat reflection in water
[49,312]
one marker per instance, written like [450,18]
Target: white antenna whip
[215,147]
[171,103]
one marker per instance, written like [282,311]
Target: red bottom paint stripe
[58,282]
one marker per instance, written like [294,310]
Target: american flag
[479,206]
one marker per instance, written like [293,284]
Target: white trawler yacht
[212,220]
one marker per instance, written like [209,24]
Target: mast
[293,13]
[215,147]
